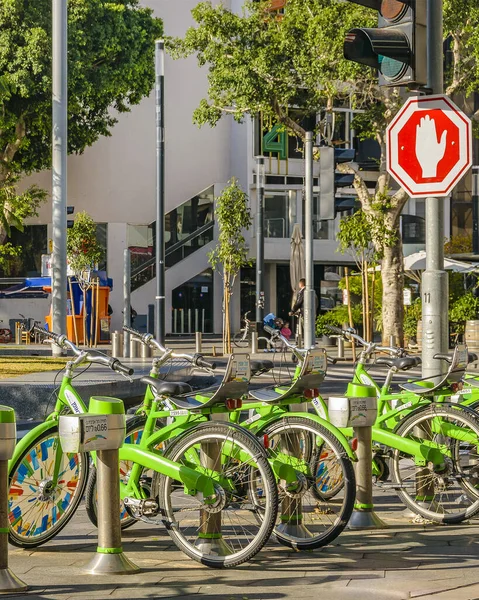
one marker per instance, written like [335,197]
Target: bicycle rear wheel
[38,508]
[240,339]
[307,519]
[441,493]
[230,533]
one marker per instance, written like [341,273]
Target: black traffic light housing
[397,48]
[330,179]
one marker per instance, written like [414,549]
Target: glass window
[32,242]
[276,215]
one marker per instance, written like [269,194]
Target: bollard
[134,348]
[9,582]
[254,342]
[102,430]
[145,351]
[116,344]
[198,342]
[18,333]
[340,347]
[358,409]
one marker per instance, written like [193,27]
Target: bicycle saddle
[261,366]
[167,388]
[401,364]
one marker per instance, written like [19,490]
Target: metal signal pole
[59,168]
[434,282]
[160,190]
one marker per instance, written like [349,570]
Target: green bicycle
[422,432]
[292,437]
[205,483]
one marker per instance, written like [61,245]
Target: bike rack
[102,430]
[9,582]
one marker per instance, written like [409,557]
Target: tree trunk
[393,285]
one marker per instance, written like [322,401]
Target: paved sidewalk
[403,561]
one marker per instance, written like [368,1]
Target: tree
[262,63]
[110,68]
[355,237]
[233,217]
[83,248]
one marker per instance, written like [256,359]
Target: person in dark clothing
[298,306]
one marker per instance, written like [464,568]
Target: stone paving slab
[404,561]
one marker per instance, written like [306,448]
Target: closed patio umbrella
[296,262]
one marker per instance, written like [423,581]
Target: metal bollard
[9,582]
[116,344]
[340,347]
[145,351]
[77,434]
[198,341]
[134,348]
[254,342]
[358,409]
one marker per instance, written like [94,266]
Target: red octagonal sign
[429,146]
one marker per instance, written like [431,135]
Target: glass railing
[145,268]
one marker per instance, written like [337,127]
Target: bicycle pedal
[141,509]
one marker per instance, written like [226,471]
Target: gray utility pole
[126,300]
[160,190]
[260,238]
[309,308]
[59,168]
[434,283]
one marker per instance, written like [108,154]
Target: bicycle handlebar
[93,356]
[147,338]
[370,347]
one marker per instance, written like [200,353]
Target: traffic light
[330,179]
[397,47]
[70,211]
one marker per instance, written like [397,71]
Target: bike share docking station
[102,430]
[358,409]
[9,582]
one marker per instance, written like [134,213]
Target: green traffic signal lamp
[397,47]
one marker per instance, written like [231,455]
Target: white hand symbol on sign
[428,150]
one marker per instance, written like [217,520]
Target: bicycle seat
[167,388]
[261,366]
[401,364]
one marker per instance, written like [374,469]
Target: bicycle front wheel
[240,339]
[39,508]
[439,493]
[308,518]
[234,531]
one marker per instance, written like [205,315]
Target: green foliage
[412,314]
[83,249]
[465,308]
[233,216]
[258,63]
[15,207]
[110,68]
[8,255]
[337,316]
[458,244]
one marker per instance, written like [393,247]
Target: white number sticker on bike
[319,408]
[179,413]
[404,406]
[365,379]
[73,402]
[252,419]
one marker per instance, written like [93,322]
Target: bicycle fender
[28,438]
[326,424]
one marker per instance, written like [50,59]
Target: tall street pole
[260,181]
[59,168]
[160,190]
[434,283]
[309,308]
